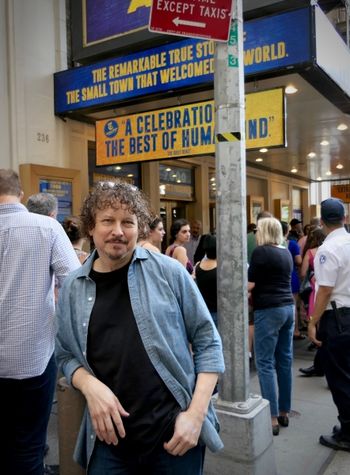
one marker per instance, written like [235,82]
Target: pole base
[248,443]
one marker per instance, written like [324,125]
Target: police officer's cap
[332,210]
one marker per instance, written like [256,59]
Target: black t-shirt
[118,358]
[270,269]
[206,281]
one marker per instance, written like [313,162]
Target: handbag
[306,287]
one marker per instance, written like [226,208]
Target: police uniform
[332,269]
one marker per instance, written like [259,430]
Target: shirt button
[89,299]
[84,324]
[91,436]
[84,353]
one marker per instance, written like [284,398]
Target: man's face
[195,229]
[298,228]
[115,235]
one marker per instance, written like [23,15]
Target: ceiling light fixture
[118,168]
[291,89]
[342,127]
[294,170]
[259,159]
[324,143]
[168,169]
[130,175]
[319,178]
[339,166]
[263,150]
[212,178]
[311,155]
[329,173]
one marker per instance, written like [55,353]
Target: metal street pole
[231,210]
[245,419]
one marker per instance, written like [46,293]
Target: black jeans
[335,354]
[26,407]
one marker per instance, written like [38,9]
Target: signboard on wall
[270,43]
[342,192]
[193,19]
[265,114]
[186,130]
[63,191]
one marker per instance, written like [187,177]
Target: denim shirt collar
[139,254]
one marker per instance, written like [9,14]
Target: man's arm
[322,299]
[104,407]
[189,423]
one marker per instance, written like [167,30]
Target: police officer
[332,316]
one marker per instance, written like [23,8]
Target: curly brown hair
[108,194]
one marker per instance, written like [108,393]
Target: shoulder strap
[171,252]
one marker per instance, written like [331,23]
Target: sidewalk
[297,449]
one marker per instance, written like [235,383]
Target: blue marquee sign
[270,44]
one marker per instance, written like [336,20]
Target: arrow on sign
[198,24]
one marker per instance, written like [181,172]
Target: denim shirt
[169,312]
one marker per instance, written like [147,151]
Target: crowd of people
[136,330]
[313,280]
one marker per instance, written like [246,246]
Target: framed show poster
[255,204]
[282,210]
[64,183]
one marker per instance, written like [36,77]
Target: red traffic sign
[208,19]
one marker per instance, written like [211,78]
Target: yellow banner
[265,119]
[342,192]
[186,130]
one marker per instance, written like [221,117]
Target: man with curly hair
[128,320]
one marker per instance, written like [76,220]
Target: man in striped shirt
[33,248]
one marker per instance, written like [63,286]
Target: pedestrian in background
[195,239]
[332,316]
[314,241]
[206,276]
[153,236]
[179,235]
[251,240]
[269,280]
[71,224]
[127,319]
[43,203]
[33,248]
[294,249]
[296,230]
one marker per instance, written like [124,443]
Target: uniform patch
[322,259]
